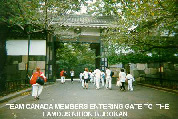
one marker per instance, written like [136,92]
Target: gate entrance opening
[74,56]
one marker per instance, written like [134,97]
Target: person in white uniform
[130,79]
[91,76]
[72,75]
[81,79]
[81,75]
[122,77]
[98,77]
[94,78]
[102,78]
[108,78]
[86,76]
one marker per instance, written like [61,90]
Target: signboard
[20,47]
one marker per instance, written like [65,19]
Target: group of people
[96,77]
[63,75]
[122,79]
[37,80]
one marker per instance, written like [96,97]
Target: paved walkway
[71,101]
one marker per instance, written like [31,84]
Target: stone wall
[150,73]
[116,69]
[152,70]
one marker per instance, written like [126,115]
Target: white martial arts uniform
[81,79]
[130,79]
[108,78]
[94,78]
[62,79]
[102,78]
[91,77]
[122,77]
[81,75]
[98,76]
[36,89]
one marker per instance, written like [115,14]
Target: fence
[172,84]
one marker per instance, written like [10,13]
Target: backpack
[40,81]
[103,75]
[65,74]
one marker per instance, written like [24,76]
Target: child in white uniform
[130,79]
[102,78]
[81,75]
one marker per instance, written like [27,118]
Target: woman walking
[85,74]
[37,80]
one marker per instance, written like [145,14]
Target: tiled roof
[84,21]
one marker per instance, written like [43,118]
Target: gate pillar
[50,58]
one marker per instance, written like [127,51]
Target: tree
[75,56]
[141,26]
[29,16]
[3,31]
[36,12]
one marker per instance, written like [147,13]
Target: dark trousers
[85,80]
[72,77]
[123,86]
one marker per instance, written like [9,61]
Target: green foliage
[38,13]
[139,26]
[164,56]
[142,26]
[75,56]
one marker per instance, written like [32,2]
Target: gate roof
[84,21]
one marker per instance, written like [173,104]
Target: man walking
[108,78]
[102,78]
[72,75]
[98,77]
[122,77]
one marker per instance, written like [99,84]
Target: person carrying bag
[37,81]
